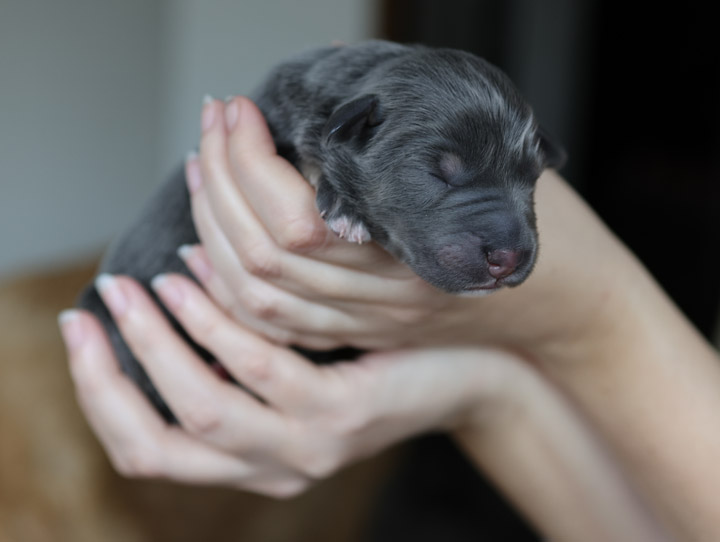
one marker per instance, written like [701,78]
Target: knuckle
[206,328]
[138,462]
[302,235]
[349,422]
[321,466]
[201,420]
[261,262]
[410,316]
[288,489]
[262,307]
[259,367]
[347,413]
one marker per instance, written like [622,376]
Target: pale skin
[589,319]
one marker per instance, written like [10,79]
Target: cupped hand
[269,260]
[291,423]
[275,265]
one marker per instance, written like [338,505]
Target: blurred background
[99,100]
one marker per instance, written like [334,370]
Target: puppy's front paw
[347,228]
[339,217]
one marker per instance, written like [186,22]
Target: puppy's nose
[502,262]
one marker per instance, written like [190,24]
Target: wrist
[499,387]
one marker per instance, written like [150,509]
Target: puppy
[432,153]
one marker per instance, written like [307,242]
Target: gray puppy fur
[432,153]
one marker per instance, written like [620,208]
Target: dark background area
[632,90]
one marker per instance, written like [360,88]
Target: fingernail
[197,264]
[208,113]
[231,115]
[71,328]
[192,172]
[184,251]
[229,99]
[171,295]
[111,294]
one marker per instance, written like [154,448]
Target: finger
[286,204]
[280,197]
[137,441]
[238,291]
[236,219]
[278,315]
[255,248]
[224,258]
[282,377]
[206,406]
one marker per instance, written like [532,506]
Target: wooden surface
[56,484]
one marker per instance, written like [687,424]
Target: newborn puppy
[432,153]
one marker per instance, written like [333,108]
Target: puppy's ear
[554,154]
[353,120]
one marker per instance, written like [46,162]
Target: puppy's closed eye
[452,170]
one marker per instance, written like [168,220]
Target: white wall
[223,47]
[100,99]
[78,135]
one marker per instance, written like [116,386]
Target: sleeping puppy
[432,153]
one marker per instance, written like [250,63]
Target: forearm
[651,384]
[624,353]
[547,461]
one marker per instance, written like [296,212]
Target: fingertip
[71,328]
[168,291]
[251,130]
[209,113]
[196,261]
[185,252]
[90,355]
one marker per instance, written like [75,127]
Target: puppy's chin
[478,292]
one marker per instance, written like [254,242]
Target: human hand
[277,266]
[310,421]
[270,261]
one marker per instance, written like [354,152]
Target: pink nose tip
[502,263]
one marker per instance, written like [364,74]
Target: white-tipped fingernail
[208,113]
[190,156]
[71,328]
[170,294]
[196,262]
[184,251]
[111,293]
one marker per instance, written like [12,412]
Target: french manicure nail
[197,264]
[71,328]
[208,113]
[184,251]
[231,115]
[111,294]
[171,295]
